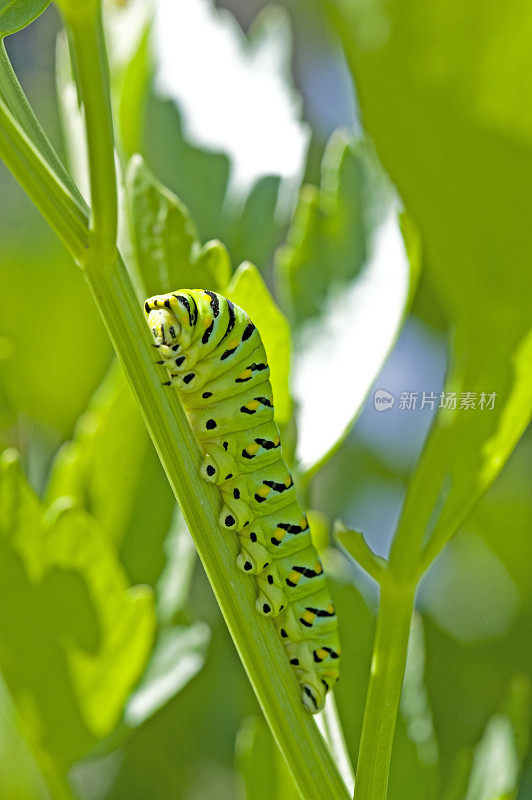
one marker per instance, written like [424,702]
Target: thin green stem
[398,587]
[17,102]
[84,24]
[384,692]
[42,185]
[359,550]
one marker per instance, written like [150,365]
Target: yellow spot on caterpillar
[264,491]
[247,373]
[233,343]
[294,577]
[318,569]
[279,534]
[303,522]
[322,654]
[288,482]
[309,616]
[207,321]
[331,673]
[330,609]
[253,405]
[276,441]
[252,448]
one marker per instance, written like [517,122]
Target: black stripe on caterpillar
[217,362]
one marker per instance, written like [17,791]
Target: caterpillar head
[171,318]
[164,326]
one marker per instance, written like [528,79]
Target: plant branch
[384,691]
[398,587]
[84,24]
[359,550]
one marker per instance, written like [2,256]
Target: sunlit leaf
[327,241]
[340,353]
[164,235]
[213,266]
[81,635]
[498,758]
[248,290]
[111,469]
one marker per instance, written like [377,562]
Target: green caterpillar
[217,363]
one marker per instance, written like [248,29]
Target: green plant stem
[359,550]
[41,183]
[398,587]
[384,692]
[84,24]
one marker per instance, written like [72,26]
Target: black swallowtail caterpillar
[217,363]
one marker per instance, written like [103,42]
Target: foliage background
[464,725]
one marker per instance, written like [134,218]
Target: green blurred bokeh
[443,94]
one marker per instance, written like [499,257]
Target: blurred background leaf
[347,271]
[81,634]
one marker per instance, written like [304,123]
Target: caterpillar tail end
[312,700]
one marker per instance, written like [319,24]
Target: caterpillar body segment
[216,361]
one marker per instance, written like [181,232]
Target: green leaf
[359,550]
[248,290]
[498,757]
[164,235]
[340,354]
[214,265]
[20,775]
[347,277]
[112,470]
[326,244]
[255,228]
[17,14]
[81,635]
[177,657]
[167,250]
